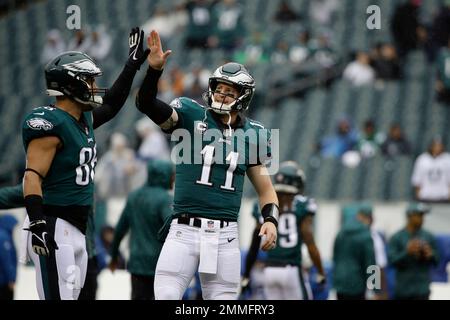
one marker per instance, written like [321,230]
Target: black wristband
[33,204]
[270,213]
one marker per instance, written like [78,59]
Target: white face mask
[220,107]
[95,100]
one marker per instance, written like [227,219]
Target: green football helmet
[289,178]
[70,74]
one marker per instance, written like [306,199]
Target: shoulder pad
[300,198]
[311,206]
[256,124]
[40,122]
[41,118]
[184,102]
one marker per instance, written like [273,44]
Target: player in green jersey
[12,197]
[61,155]
[145,212]
[219,147]
[284,277]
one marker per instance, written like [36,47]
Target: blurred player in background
[61,156]
[284,276]
[412,252]
[12,197]
[145,212]
[353,254]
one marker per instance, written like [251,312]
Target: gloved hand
[41,241]
[136,55]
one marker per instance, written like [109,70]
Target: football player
[284,277]
[145,212]
[12,197]
[61,155]
[203,233]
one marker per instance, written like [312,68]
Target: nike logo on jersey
[39,113]
[90,140]
[230,239]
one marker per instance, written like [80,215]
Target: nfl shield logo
[210,224]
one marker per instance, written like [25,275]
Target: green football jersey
[289,240]
[12,197]
[211,166]
[69,180]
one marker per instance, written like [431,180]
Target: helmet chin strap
[229,133]
[205,115]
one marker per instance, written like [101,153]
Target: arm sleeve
[146,100]
[42,125]
[121,229]
[115,98]
[11,197]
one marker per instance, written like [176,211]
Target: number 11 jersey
[211,162]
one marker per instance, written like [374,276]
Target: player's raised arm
[116,96]
[159,111]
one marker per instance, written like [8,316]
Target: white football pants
[286,283]
[61,275]
[180,259]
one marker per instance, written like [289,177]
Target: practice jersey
[210,182]
[289,240]
[69,180]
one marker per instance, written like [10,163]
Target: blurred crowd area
[355,107]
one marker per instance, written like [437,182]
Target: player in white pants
[284,276]
[63,273]
[181,255]
[209,185]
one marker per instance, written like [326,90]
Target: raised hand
[157,58]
